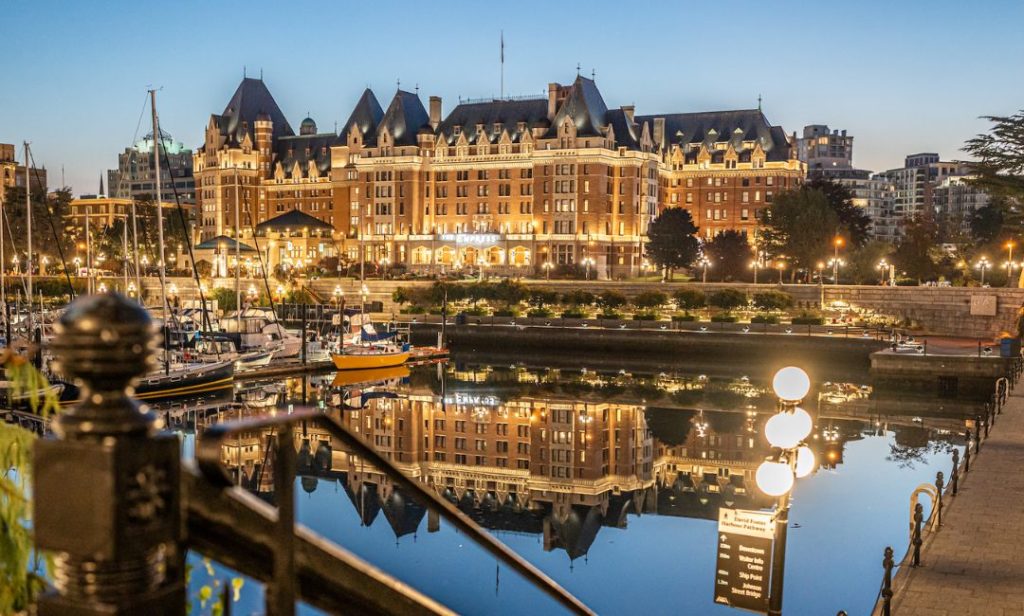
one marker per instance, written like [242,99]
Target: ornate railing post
[887,565]
[956,470]
[918,518]
[939,484]
[107,488]
[967,450]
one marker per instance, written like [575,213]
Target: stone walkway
[975,563]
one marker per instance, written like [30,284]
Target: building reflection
[562,464]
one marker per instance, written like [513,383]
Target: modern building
[826,153]
[505,184]
[956,200]
[913,186]
[135,176]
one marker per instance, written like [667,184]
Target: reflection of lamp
[791,384]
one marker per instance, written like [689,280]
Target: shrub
[538,298]
[724,318]
[765,318]
[648,315]
[690,299]
[610,300]
[540,313]
[688,318]
[808,318]
[476,311]
[506,312]
[610,314]
[578,297]
[728,299]
[650,299]
[773,300]
[573,313]
[417,309]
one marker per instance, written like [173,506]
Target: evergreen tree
[854,222]
[672,240]
[799,225]
[730,254]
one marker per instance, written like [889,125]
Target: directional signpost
[744,558]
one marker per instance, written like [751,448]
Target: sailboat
[370,350]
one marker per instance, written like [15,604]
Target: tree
[799,225]
[999,170]
[730,252]
[863,262]
[539,298]
[915,253]
[987,222]
[772,300]
[690,299]
[854,222]
[728,299]
[578,297]
[672,240]
[49,222]
[610,300]
[650,299]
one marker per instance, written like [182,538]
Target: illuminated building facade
[502,184]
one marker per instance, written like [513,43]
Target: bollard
[977,434]
[107,488]
[967,450]
[918,518]
[887,565]
[987,422]
[956,468]
[938,499]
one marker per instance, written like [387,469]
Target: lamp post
[705,263]
[337,294]
[755,265]
[587,261]
[547,269]
[384,261]
[835,263]
[983,264]
[821,285]
[785,431]
[883,267]
[836,244]
[1009,262]
[781,265]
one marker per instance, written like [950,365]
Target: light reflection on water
[609,481]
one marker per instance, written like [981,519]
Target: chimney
[552,100]
[435,111]
[659,131]
[628,110]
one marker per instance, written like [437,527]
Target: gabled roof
[251,101]
[366,115]
[223,241]
[293,220]
[507,113]
[404,118]
[585,105]
[696,128]
[304,148]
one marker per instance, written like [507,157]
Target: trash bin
[460,319]
[1009,347]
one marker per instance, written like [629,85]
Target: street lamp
[883,267]
[252,294]
[755,265]
[835,263]
[384,261]
[338,294]
[983,264]
[781,265]
[587,261]
[132,289]
[705,263]
[547,269]
[836,244]
[776,476]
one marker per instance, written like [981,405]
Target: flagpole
[502,95]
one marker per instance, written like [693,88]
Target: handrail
[208,458]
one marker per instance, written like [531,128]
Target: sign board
[983,305]
[472,239]
[743,567]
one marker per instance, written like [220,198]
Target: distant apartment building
[826,153]
[135,175]
[915,189]
[956,200]
[508,184]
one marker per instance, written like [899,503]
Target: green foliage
[987,222]
[800,225]
[727,299]
[688,318]
[540,313]
[724,318]
[862,265]
[730,254]
[650,299]
[672,240]
[299,296]
[808,317]
[578,297]
[690,299]
[225,298]
[609,313]
[765,318]
[646,315]
[539,298]
[915,254]
[854,223]
[574,313]
[21,571]
[610,300]
[401,296]
[772,300]
[509,291]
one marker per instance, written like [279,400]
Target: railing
[922,529]
[119,510]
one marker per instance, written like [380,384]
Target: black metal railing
[120,510]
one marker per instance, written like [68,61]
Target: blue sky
[902,76]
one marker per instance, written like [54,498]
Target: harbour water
[610,480]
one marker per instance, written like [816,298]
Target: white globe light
[791,384]
[805,461]
[774,478]
[787,429]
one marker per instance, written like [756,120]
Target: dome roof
[308,127]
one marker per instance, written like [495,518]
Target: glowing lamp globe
[786,429]
[774,478]
[805,461]
[791,384]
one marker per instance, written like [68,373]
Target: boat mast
[88,251]
[135,253]
[3,276]
[160,226]
[28,210]
[238,264]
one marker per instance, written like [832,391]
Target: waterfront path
[974,564]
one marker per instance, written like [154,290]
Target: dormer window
[456,130]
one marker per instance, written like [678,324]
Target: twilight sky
[902,76]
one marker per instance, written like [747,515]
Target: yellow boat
[368,359]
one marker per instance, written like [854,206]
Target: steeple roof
[585,105]
[404,118]
[366,115]
[251,101]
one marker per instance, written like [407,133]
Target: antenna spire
[577,69]
[759,102]
[502,56]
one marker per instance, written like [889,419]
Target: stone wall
[932,310]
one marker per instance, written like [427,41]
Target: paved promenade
[975,563]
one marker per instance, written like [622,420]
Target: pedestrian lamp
[588,261]
[132,289]
[835,263]
[883,267]
[1010,266]
[78,265]
[252,293]
[983,264]
[786,432]
[384,261]
[547,269]
[43,262]
[755,265]
[337,294]
[705,263]
[781,265]
[103,287]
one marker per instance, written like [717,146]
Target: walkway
[975,563]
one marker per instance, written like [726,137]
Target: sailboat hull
[211,377]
